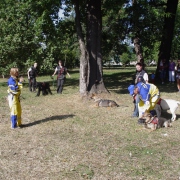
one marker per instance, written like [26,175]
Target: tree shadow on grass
[118,82]
[61,117]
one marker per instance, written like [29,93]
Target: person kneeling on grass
[149,96]
[14,91]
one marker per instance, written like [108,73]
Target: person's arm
[20,85]
[145,77]
[13,87]
[55,72]
[68,74]
[175,68]
[28,73]
[144,92]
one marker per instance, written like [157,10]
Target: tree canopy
[33,31]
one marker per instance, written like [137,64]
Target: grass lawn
[66,138]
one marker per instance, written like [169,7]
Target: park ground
[66,138]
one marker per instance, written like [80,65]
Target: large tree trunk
[138,50]
[94,26]
[136,40]
[168,32]
[91,72]
[84,57]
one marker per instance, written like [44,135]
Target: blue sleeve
[12,84]
[144,92]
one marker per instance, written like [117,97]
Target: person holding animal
[61,71]
[154,122]
[32,73]
[177,69]
[14,91]
[141,76]
[149,96]
[172,66]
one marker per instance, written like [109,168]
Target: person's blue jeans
[136,111]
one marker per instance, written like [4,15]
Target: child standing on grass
[14,91]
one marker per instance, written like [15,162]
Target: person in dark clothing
[141,76]
[162,70]
[177,68]
[61,71]
[32,73]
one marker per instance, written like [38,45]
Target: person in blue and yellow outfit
[149,96]
[14,91]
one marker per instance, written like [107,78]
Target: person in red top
[61,71]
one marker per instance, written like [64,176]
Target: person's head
[133,90]
[139,66]
[35,64]
[60,63]
[14,72]
[136,91]
[178,61]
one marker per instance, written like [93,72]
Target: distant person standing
[172,66]
[177,68]
[32,73]
[61,71]
[152,78]
[162,70]
[141,76]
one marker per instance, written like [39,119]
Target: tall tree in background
[137,38]
[27,29]
[91,74]
[168,31]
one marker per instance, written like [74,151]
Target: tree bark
[91,72]
[138,50]
[136,40]
[94,27]
[84,56]
[168,32]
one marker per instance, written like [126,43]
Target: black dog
[44,87]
